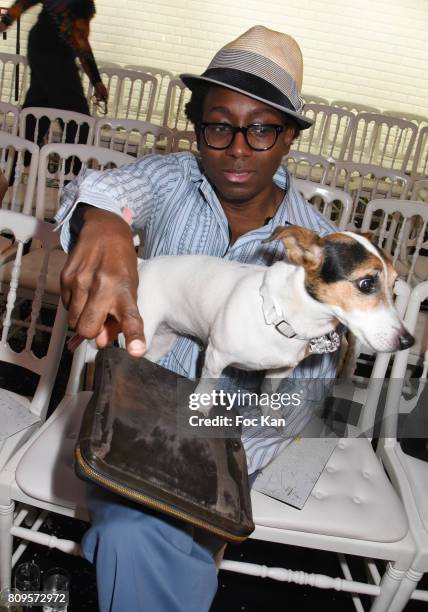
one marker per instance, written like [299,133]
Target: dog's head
[351,275]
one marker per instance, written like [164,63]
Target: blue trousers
[145,562]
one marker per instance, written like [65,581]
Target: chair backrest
[184,140]
[419,120]
[177,96]
[329,134]
[307,166]
[365,182]
[19,160]
[13,69]
[420,160]
[60,162]
[400,227]
[355,107]
[333,203]
[420,190]
[163,78]
[313,99]
[132,94]
[9,118]
[382,141]
[20,342]
[57,125]
[133,137]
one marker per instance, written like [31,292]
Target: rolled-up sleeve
[128,187]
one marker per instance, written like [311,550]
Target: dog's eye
[367,284]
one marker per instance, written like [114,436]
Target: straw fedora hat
[263,64]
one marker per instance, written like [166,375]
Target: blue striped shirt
[178,213]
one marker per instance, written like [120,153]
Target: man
[246,109]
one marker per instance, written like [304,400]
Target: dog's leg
[160,345]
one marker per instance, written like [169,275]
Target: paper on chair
[292,475]
[14,415]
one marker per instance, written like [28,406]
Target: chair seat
[352,499]
[54,449]
[31,266]
[15,414]
[417,475]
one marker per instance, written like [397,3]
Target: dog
[270,318]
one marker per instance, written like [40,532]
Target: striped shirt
[175,207]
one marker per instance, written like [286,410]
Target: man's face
[240,174]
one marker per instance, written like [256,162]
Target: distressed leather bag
[133,442]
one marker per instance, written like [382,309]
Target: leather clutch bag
[133,442]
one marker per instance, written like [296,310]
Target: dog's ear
[303,246]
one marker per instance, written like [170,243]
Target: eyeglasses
[100,104]
[258,136]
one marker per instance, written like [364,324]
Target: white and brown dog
[270,318]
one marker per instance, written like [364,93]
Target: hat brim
[192,80]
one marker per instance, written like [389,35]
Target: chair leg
[407,586]
[389,585]
[6,542]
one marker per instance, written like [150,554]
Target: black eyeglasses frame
[243,130]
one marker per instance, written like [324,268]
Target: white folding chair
[177,96]
[382,141]
[400,227]
[306,166]
[49,187]
[185,140]
[14,153]
[133,137]
[329,134]
[334,204]
[132,94]
[24,337]
[9,117]
[352,510]
[163,78]
[420,161]
[60,125]
[355,107]
[408,473]
[365,182]
[58,489]
[13,69]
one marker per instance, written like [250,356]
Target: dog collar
[329,343]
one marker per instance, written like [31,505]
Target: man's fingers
[132,327]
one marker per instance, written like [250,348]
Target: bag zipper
[149,501]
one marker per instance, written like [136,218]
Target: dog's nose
[406,340]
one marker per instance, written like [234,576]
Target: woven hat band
[259,66]
[250,83]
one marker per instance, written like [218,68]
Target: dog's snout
[406,340]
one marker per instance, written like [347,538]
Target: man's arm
[100,280]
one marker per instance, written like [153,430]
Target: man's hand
[99,282]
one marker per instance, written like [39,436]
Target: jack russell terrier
[270,318]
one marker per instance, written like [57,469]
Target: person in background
[246,109]
[60,34]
